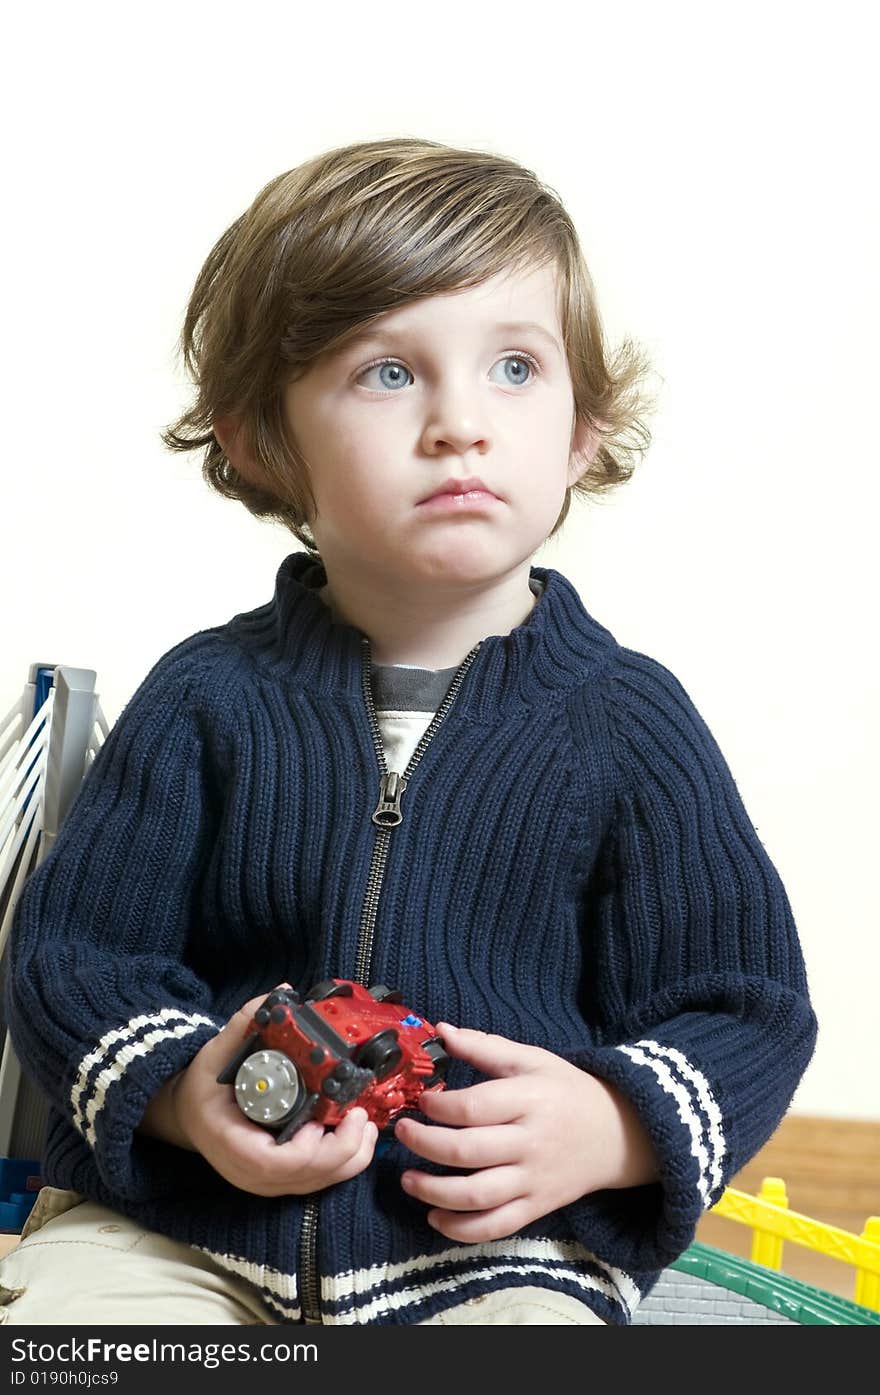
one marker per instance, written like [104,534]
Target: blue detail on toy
[411,1020]
[19,1183]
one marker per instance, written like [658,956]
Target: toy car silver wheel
[268,1087]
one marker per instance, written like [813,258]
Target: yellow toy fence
[772,1223]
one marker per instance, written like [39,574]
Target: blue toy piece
[19,1183]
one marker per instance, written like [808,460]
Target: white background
[720,165]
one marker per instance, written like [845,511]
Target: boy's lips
[473,489]
[459,503]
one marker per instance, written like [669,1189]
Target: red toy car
[316,1057]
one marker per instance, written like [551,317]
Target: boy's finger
[490,1147]
[345,1141]
[363,1155]
[347,1136]
[475,1148]
[284,1162]
[496,1055]
[489,1102]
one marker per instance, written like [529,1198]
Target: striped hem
[364,1296]
[116,1050]
[278,1290]
[370,1294]
[697,1109]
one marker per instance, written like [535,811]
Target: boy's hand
[539,1136]
[205,1118]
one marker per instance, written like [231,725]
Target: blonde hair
[327,247]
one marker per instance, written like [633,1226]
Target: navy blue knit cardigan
[574,869]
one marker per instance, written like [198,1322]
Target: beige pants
[79,1263]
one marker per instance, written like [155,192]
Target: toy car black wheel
[439,1058]
[380,1054]
[328,988]
[385,995]
[281,995]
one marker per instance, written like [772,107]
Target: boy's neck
[403,632]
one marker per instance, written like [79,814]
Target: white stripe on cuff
[686,1112]
[110,1044]
[703,1091]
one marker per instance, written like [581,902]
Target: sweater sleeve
[101,1004]
[697,991]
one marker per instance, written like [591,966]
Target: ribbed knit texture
[575,869]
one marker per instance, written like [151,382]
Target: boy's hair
[327,247]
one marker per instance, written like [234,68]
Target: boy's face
[461,397]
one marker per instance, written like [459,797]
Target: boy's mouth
[472,489]
[474,499]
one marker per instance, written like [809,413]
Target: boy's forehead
[524,304]
[379,330]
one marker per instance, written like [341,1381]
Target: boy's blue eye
[395,378]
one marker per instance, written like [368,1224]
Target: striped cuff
[696,1107]
[107,1065]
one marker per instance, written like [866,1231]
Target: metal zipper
[387,814]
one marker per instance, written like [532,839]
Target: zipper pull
[387,811]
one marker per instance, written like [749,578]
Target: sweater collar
[557,647]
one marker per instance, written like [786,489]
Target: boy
[398,355]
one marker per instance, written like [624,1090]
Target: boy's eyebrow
[376,332]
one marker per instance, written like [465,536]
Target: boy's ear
[233,443]
[584,448]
